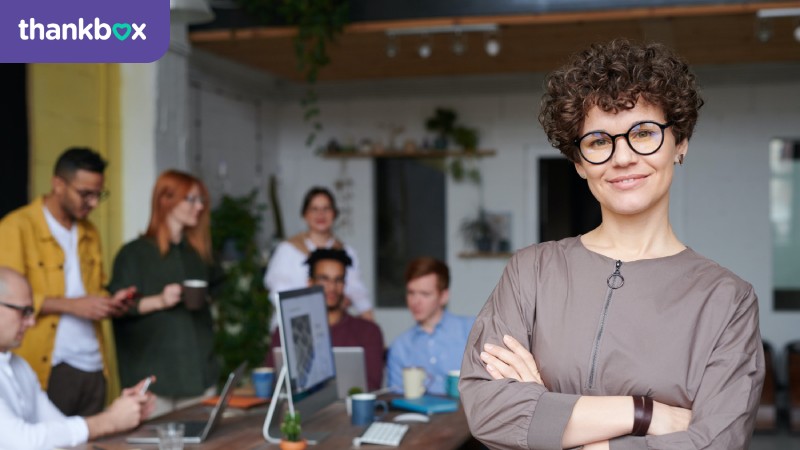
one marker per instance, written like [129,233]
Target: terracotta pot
[289,445]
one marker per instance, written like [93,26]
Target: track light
[391,47]
[764,28]
[459,32]
[764,31]
[492,45]
[459,43]
[425,49]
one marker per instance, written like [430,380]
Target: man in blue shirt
[436,343]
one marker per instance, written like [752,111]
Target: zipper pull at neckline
[616,280]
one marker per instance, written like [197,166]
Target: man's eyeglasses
[26,311]
[644,138]
[89,195]
[321,279]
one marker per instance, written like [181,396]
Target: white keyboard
[382,433]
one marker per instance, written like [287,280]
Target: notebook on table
[427,404]
[196,432]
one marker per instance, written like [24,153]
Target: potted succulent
[290,429]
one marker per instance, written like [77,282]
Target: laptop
[351,368]
[196,432]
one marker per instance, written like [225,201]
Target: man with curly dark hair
[621,338]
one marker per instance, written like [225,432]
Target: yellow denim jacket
[27,246]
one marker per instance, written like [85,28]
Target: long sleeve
[286,270]
[125,273]
[28,420]
[354,287]
[505,413]
[373,355]
[723,412]
[394,368]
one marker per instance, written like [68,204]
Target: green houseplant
[318,24]
[478,232]
[442,123]
[291,429]
[242,311]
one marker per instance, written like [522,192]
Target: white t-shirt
[76,343]
[28,419]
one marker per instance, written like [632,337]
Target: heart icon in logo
[121,30]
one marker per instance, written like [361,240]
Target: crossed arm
[594,420]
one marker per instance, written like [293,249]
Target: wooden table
[243,430]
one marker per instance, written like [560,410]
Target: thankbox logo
[97,30]
[76,31]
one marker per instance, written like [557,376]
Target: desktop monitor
[306,338]
[308,354]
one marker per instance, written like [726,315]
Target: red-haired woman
[160,335]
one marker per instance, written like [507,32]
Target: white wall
[138,116]
[720,197]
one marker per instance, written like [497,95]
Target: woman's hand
[669,419]
[171,295]
[515,361]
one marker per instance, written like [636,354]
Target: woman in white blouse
[287,266]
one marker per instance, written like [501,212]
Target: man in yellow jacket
[51,242]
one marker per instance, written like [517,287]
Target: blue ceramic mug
[364,408]
[262,378]
[452,383]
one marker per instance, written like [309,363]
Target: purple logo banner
[84,31]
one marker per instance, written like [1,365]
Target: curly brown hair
[613,76]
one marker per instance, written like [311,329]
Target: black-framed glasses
[325,280]
[26,311]
[89,195]
[644,138]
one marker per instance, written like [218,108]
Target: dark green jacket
[175,345]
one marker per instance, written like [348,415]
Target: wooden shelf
[415,154]
[485,255]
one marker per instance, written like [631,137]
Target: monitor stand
[307,407]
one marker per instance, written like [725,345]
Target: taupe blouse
[681,329]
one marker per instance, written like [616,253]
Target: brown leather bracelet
[642,415]
[648,415]
[638,414]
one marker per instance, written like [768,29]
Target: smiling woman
[622,337]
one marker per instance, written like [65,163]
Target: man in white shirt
[28,419]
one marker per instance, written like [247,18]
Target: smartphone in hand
[146,385]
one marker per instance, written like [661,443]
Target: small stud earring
[680,159]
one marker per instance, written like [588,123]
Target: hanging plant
[318,24]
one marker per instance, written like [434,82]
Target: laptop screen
[351,369]
[148,436]
[224,399]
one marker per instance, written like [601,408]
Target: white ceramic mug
[414,382]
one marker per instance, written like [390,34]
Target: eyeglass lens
[194,199]
[92,195]
[643,138]
[27,311]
